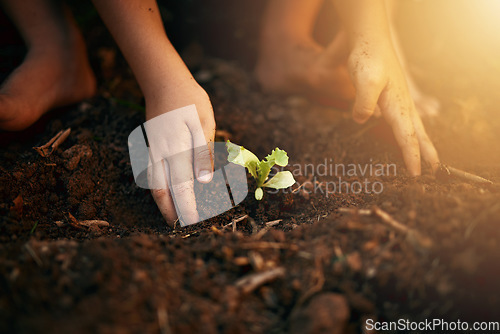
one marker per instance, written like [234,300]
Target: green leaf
[279,157]
[263,170]
[280,181]
[243,157]
[258,194]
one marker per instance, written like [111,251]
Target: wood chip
[90,223]
[216,230]
[241,261]
[47,149]
[18,205]
[256,260]
[251,282]
[73,222]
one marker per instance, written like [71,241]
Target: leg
[55,71]
[426,105]
[290,61]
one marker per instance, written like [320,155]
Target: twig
[273,222]
[47,149]
[251,282]
[413,236]
[261,233]
[362,212]
[446,171]
[366,128]
[233,223]
[317,279]
[480,218]
[267,245]
[238,220]
[33,255]
[387,218]
[266,228]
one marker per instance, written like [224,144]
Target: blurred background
[452,48]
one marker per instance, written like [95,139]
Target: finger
[158,183]
[203,155]
[181,187]
[377,113]
[163,200]
[203,134]
[399,118]
[367,95]
[429,152]
[203,165]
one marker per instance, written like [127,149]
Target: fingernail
[204,176]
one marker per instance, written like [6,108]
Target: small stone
[74,154]
[354,261]
[325,313]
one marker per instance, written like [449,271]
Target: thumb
[203,140]
[203,166]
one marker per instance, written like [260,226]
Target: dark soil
[140,276]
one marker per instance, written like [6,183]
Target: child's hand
[182,148]
[379,80]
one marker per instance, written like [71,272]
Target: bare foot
[52,75]
[293,66]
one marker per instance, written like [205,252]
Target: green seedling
[260,169]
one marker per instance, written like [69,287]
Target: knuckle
[373,80]
[362,113]
[182,189]
[202,155]
[159,193]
